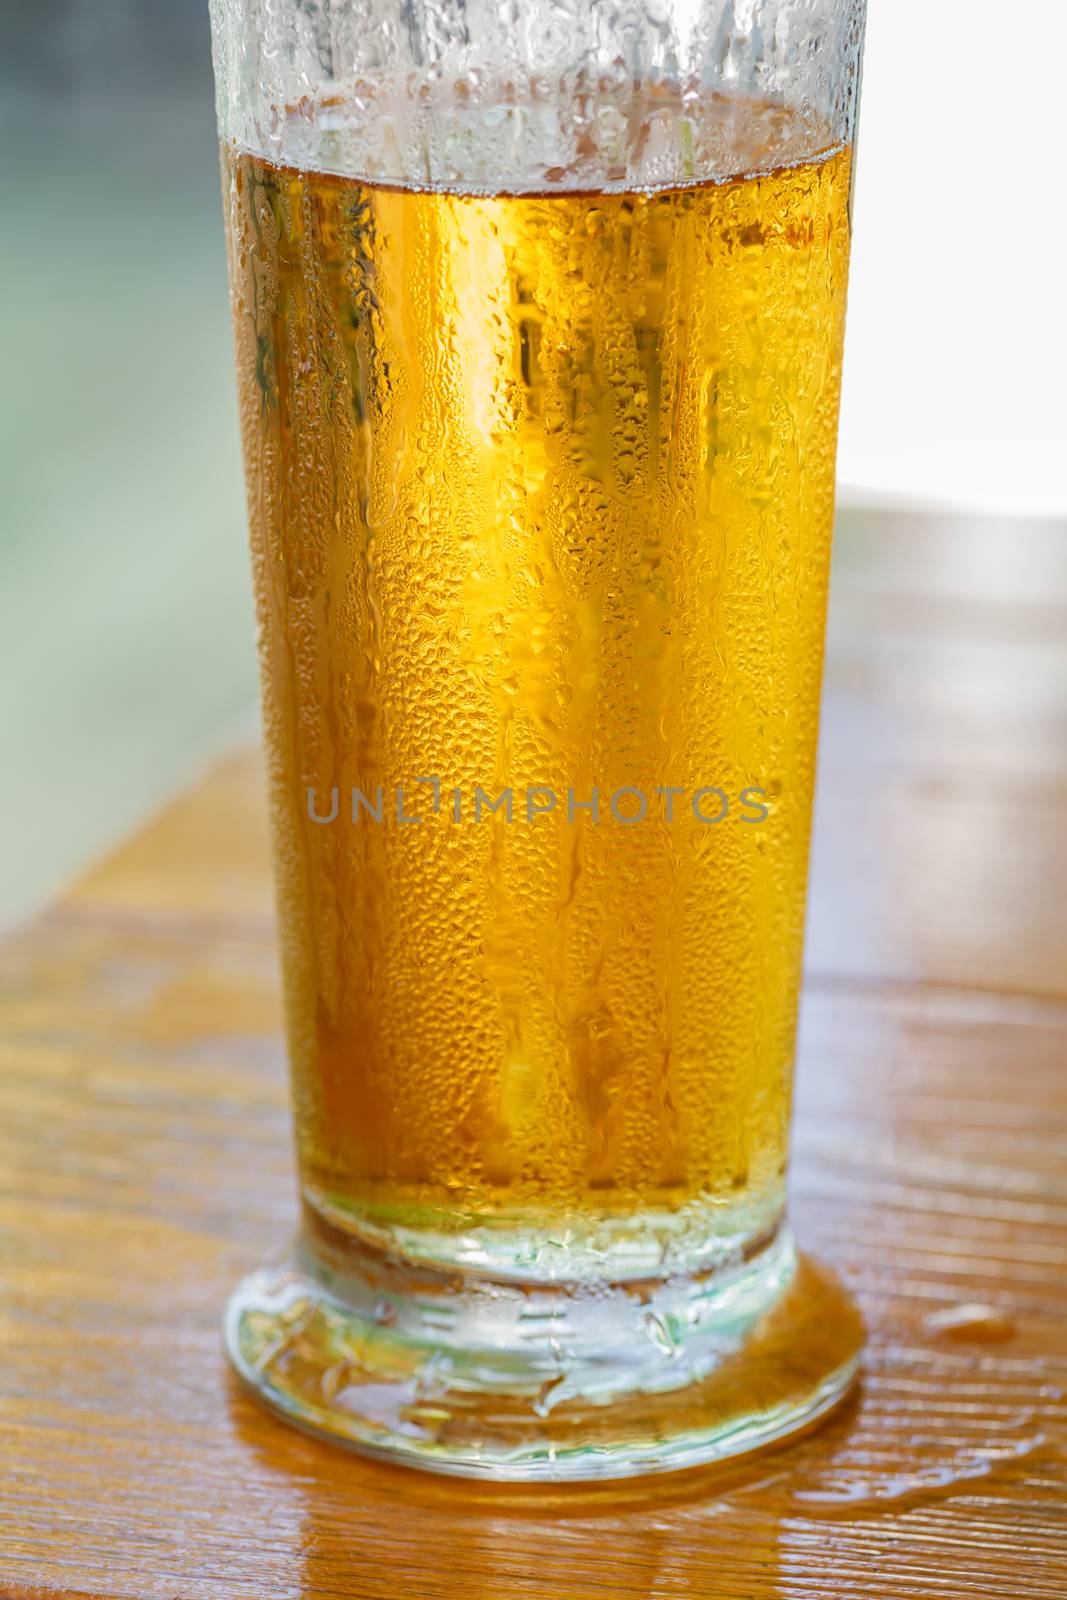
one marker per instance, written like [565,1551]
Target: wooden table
[145,1162]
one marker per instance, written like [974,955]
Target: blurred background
[125,607]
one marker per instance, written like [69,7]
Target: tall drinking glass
[538,308]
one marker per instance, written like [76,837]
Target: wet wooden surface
[145,1163]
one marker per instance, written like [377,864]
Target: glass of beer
[538,309]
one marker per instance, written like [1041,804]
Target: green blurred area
[125,611]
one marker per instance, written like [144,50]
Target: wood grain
[145,1162]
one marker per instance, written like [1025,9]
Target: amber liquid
[541,491]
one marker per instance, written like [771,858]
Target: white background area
[956,352]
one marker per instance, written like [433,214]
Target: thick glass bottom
[699,1237]
[459,1373]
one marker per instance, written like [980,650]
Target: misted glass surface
[544,492]
[538,370]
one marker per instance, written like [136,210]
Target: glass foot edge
[335,1372]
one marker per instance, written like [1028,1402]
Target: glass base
[462,1374]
